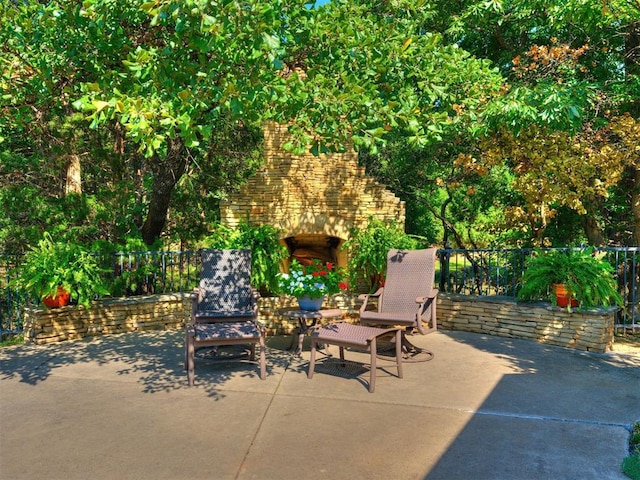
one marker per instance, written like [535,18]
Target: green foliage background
[508,123]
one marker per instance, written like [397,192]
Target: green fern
[590,279]
[267,252]
[368,248]
[51,264]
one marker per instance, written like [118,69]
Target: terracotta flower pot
[60,299]
[563,295]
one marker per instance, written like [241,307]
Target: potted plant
[311,283]
[588,280]
[368,248]
[59,270]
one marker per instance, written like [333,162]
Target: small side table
[307,320]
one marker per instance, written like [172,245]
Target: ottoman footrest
[356,336]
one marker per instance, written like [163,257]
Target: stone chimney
[314,201]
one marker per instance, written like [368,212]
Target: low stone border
[152,312]
[117,315]
[589,330]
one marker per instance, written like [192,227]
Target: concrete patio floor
[484,408]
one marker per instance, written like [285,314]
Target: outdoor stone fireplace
[306,248]
[314,201]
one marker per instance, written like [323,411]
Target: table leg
[300,338]
[294,336]
[301,331]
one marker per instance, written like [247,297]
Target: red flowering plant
[315,280]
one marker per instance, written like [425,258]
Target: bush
[368,250]
[589,279]
[267,252]
[52,264]
[631,464]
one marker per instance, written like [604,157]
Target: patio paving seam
[523,416]
[259,428]
[546,418]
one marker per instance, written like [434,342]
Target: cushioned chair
[224,310]
[407,299]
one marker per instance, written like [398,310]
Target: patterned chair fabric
[225,285]
[224,309]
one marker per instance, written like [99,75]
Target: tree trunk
[593,231]
[635,206]
[632,67]
[166,173]
[74,176]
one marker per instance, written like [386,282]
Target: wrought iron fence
[481,272]
[144,273]
[130,274]
[11,299]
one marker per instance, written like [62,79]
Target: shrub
[589,279]
[267,252]
[368,250]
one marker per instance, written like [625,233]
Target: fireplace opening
[306,248]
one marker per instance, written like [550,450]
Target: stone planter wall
[118,315]
[501,316]
[590,330]
[153,312]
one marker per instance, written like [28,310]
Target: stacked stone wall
[327,194]
[119,315]
[590,330]
[154,312]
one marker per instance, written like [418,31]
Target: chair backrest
[410,274]
[225,283]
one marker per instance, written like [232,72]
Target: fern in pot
[52,268]
[589,281]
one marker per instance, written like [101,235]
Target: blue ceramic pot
[310,304]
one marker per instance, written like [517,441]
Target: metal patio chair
[224,311]
[408,298]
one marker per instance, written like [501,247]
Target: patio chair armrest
[255,296]
[433,294]
[364,298]
[195,294]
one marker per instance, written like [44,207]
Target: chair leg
[412,353]
[312,360]
[263,360]
[373,367]
[186,350]
[191,350]
[399,352]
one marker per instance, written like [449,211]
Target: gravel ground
[627,343]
